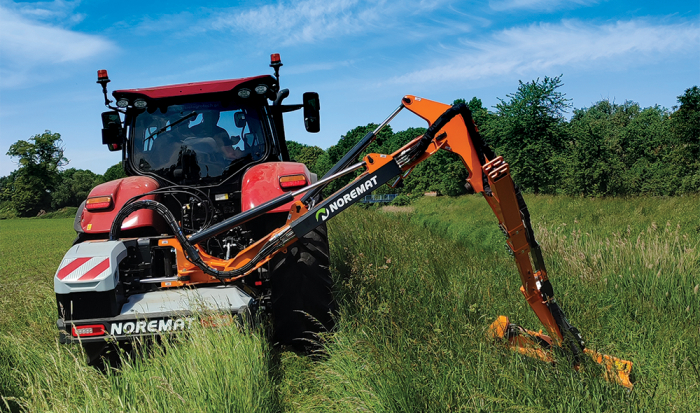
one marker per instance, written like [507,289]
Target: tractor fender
[121,190]
[90,266]
[261,183]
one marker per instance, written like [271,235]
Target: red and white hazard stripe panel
[83,269]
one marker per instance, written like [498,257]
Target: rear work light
[88,331]
[292,181]
[244,93]
[98,202]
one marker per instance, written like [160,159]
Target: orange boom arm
[451,128]
[490,175]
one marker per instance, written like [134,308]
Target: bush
[404,199]
[401,200]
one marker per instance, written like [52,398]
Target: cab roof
[197,88]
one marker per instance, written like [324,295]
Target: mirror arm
[108,101]
[281,95]
[289,108]
[120,110]
[107,104]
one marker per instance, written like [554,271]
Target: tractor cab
[199,142]
[201,133]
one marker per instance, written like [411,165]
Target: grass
[67,212]
[418,287]
[211,370]
[421,287]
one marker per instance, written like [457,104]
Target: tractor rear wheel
[302,292]
[105,355]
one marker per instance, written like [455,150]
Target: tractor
[206,151]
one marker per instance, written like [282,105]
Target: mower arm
[451,129]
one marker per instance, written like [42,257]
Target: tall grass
[421,287]
[209,370]
[417,290]
[220,370]
[30,251]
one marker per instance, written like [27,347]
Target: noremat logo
[324,213]
[153,326]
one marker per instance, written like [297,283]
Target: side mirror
[312,108]
[239,119]
[112,132]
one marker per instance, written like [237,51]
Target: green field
[417,288]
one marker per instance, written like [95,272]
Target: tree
[444,172]
[74,187]
[294,148]
[529,132]
[7,185]
[40,159]
[646,145]
[308,155]
[41,156]
[593,158]
[685,135]
[114,172]
[623,149]
[29,196]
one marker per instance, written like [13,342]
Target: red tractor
[207,152]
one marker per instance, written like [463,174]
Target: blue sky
[361,57]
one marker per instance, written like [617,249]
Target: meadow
[417,288]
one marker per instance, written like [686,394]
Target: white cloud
[49,11]
[309,21]
[177,24]
[541,5]
[571,43]
[27,45]
[304,21]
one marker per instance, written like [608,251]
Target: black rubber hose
[190,251]
[483,151]
[241,218]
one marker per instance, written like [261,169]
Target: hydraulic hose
[483,151]
[191,253]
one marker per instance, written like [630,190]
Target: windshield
[196,141]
